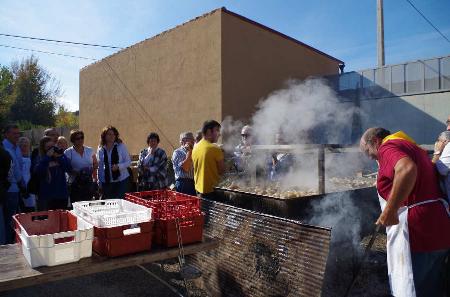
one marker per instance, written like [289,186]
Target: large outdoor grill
[315,206]
[298,208]
[303,204]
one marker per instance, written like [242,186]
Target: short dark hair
[103,135]
[9,127]
[153,135]
[210,124]
[74,134]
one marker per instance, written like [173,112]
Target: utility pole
[380,33]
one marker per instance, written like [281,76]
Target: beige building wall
[171,82]
[217,65]
[257,61]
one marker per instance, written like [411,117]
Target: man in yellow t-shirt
[207,157]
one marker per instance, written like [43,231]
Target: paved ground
[132,281]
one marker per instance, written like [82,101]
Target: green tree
[34,94]
[6,90]
[65,118]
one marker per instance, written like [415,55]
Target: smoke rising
[308,112]
[303,112]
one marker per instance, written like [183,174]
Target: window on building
[368,83]
[431,75]
[398,79]
[349,81]
[445,73]
[414,77]
[383,81]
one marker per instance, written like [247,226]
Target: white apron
[399,262]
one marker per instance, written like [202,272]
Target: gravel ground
[132,281]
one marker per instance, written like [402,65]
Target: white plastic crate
[112,212]
[43,250]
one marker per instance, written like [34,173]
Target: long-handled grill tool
[187,272]
[366,253]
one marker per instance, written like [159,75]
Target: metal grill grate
[261,255]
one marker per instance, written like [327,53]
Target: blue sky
[345,29]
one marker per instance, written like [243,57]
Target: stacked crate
[120,227]
[178,216]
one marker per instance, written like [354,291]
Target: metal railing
[416,77]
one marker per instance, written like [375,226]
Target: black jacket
[5,165]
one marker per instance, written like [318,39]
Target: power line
[429,22]
[60,41]
[50,53]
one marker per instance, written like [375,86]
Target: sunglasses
[245,135]
[448,122]
[79,138]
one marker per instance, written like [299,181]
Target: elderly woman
[83,178]
[113,161]
[29,200]
[441,158]
[152,165]
[51,169]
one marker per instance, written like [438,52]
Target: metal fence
[422,76]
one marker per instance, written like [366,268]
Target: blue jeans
[115,190]
[11,208]
[186,186]
[2,226]
[429,270]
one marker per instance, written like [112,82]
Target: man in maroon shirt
[416,217]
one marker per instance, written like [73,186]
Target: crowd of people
[413,189]
[54,175]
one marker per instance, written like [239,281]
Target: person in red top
[416,217]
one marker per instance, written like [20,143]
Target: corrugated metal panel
[261,255]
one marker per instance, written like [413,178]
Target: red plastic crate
[123,240]
[46,222]
[166,203]
[191,228]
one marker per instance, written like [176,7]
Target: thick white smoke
[304,112]
[309,112]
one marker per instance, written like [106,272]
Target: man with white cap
[183,165]
[243,150]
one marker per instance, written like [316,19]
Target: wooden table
[15,272]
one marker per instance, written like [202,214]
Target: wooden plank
[15,272]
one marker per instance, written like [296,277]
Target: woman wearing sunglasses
[83,178]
